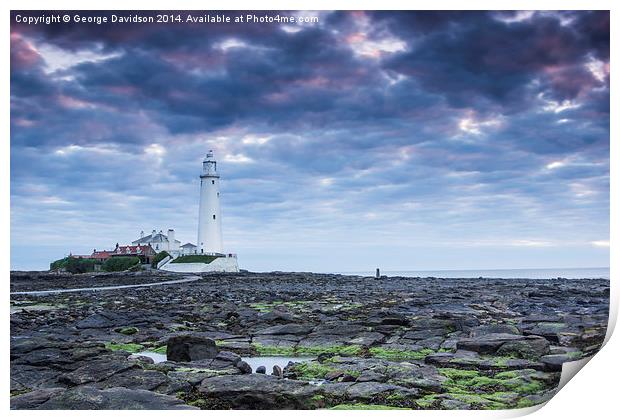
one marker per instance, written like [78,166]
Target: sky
[400,140]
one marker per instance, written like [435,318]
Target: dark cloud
[480,58]
[406,123]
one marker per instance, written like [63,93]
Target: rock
[366,390]
[277,371]
[288,341]
[94,371]
[228,356]
[134,379]
[463,359]
[370,376]
[395,320]
[244,367]
[237,346]
[432,343]
[34,399]
[21,346]
[126,330]
[57,340]
[322,341]
[333,375]
[347,377]
[31,377]
[424,334]
[99,320]
[261,369]
[367,339]
[415,376]
[292,329]
[530,349]
[254,391]
[490,343]
[422,324]
[539,317]
[48,357]
[142,359]
[90,398]
[550,330]
[449,404]
[186,348]
[554,362]
[276,315]
[494,329]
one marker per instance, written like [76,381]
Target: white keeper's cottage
[160,242]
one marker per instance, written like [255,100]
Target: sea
[516,273]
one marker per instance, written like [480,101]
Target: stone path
[99,289]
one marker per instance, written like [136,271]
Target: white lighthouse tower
[209,214]
[211,256]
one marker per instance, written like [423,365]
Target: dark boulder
[186,348]
[527,349]
[244,367]
[493,329]
[89,398]
[490,343]
[32,400]
[259,392]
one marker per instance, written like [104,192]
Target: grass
[127,330]
[264,307]
[352,350]
[501,361]
[311,370]
[396,354]
[427,401]
[205,259]
[478,401]
[365,407]
[273,350]
[160,350]
[17,392]
[130,347]
[488,391]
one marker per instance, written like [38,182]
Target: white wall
[221,264]
[209,229]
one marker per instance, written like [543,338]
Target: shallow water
[268,361]
[157,357]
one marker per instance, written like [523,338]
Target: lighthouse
[209,214]
[211,257]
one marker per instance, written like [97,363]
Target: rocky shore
[414,343]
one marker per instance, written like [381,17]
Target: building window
[213,181]
[218,194]
[214,217]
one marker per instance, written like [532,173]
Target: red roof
[101,254]
[133,250]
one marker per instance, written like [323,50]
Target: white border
[592,395]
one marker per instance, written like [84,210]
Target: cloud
[368,130]
[600,244]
